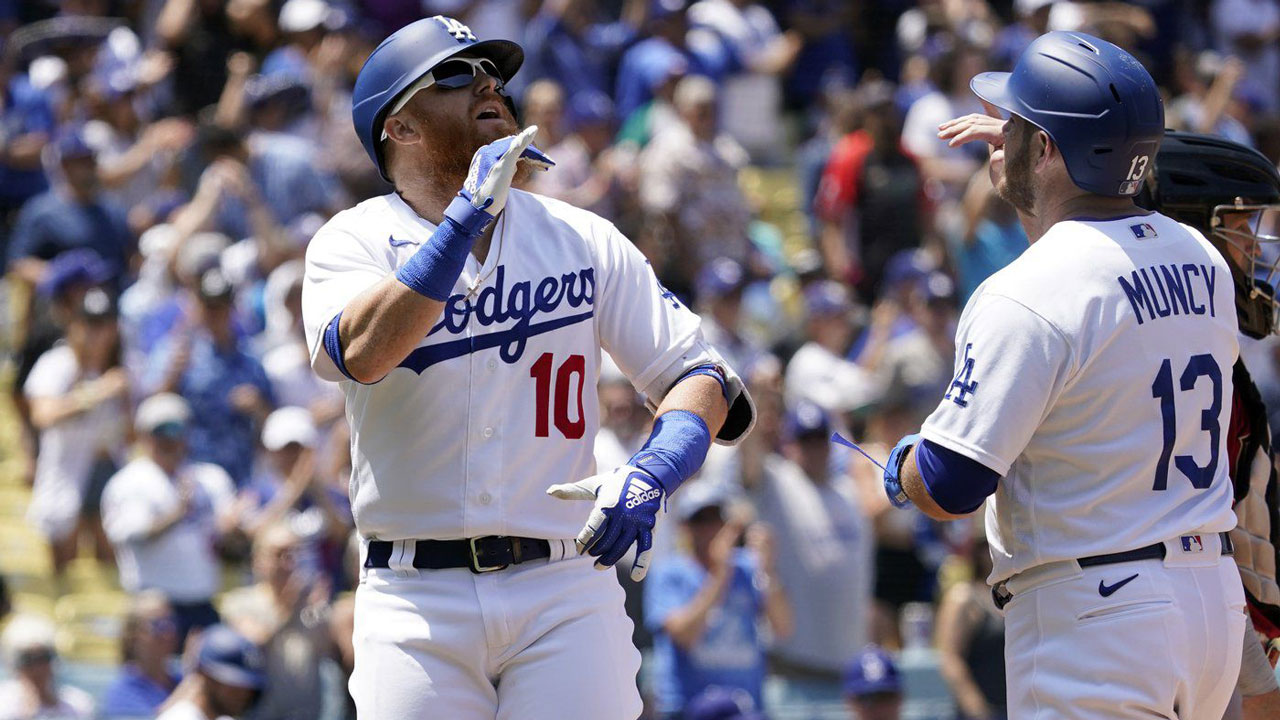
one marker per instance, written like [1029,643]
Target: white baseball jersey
[1094,374]
[498,401]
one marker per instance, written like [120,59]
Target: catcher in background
[1231,193]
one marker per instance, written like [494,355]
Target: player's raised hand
[973,128]
[627,503]
[494,166]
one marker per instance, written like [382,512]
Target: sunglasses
[172,430]
[35,656]
[452,74]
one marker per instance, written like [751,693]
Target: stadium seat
[89,625]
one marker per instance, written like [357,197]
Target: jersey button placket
[485,432]
[473,512]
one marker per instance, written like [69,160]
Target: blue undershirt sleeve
[333,347]
[958,484]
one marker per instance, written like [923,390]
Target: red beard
[456,140]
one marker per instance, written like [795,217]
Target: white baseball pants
[1165,644]
[544,640]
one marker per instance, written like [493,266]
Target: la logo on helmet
[460,32]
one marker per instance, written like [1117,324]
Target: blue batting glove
[627,503]
[893,468]
[488,183]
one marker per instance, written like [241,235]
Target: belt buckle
[476,567]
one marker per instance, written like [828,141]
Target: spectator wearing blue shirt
[994,237]
[668,26]
[148,640]
[73,214]
[704,609]
[656,71]
[152,320]
[255,189]
[227,388]
[1031,21]
[567,43]
[828,47]
[26,124]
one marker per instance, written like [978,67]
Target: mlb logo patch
[1142,231]
[1192,544]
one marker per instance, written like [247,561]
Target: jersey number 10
[1162,389]
[564,382]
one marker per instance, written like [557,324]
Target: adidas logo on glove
[640,492]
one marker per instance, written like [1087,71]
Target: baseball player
[1090,401]
[1231,193]
[464,321]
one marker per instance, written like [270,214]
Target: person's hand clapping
[760,540]
[113,383]
[247,399]
[720,552]
[171,134]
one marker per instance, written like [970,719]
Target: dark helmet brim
[994,88]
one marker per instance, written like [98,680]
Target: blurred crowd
[164,163]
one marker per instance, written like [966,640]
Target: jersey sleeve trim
[956,445]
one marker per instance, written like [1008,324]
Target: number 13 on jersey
[1162,389]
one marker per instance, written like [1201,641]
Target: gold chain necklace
[501,232]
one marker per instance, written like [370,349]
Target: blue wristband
[675,449]
[435,267]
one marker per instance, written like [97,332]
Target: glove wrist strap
[470,219]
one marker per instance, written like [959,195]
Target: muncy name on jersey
[1159,291]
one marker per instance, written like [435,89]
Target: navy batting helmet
[1096,101]
[407,55]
